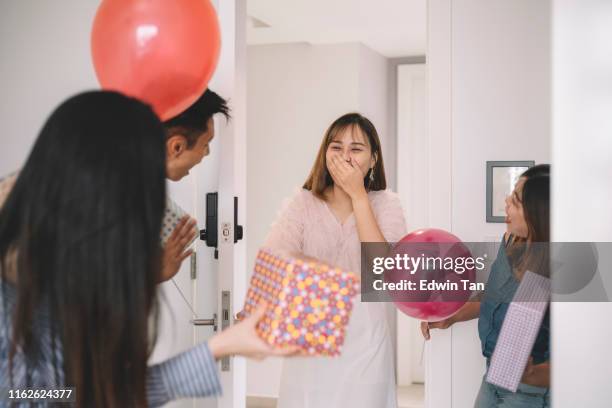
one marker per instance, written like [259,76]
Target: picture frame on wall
[501,179]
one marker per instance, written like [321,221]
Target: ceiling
[393,28]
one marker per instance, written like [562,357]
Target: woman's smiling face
[351,143]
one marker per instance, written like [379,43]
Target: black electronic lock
[238,229]
[211,234]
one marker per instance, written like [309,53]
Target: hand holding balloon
[442,324]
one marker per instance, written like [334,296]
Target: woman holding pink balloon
[527,219]
[343,203]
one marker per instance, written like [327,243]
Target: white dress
[363,376]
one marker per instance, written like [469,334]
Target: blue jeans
[526,396]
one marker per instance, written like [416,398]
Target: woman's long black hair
[79,234]
[536,203]
[533,253]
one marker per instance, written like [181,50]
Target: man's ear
[176,145]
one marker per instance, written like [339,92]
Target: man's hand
[175,250]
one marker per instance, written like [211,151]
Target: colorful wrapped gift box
[309,302]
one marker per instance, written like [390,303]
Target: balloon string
[185,299]
[422,351]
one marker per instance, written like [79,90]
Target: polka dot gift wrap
[309,302]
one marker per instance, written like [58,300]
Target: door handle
[206,322]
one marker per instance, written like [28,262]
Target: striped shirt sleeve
[191,374]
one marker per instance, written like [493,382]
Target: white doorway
[308,63]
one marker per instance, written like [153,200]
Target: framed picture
[501,179]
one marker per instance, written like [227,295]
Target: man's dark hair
[193,121]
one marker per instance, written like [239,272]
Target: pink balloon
[431,304]
[163,52]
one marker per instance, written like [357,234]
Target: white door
[206,286]
[230,270]
[45,59]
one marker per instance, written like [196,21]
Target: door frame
[230,82]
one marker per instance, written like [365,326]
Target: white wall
[377,104]
[374,103]
[294,92]
[494,59]
[45,59]
[500,98]
[413,188]
[438,375]
[582,193]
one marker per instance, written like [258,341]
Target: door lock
[210,234]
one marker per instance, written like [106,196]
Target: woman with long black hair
[523,248]
[80,258]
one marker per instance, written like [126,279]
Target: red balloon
[431,304]
[163,52]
